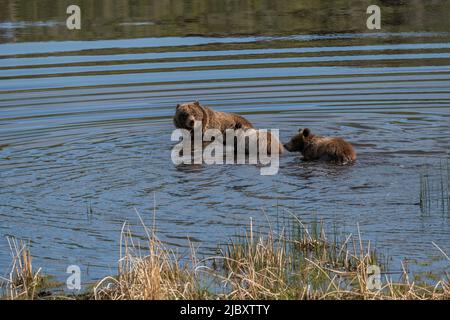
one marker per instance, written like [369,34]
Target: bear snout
[190,122]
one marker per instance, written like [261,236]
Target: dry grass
[312,267]
[300,262]
[23,282]
[156,275]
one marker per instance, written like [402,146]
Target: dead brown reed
[23,281]
[298,262]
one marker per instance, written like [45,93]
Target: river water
[86,120]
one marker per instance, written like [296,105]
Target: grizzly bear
[315,147]
[187,113]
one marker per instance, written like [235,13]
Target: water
[85,123]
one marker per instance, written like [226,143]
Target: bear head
[187,114]
[299,141]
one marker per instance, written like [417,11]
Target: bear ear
[178,105]
[197,103]
[306,132]
[300,130]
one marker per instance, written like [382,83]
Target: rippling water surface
[85,136]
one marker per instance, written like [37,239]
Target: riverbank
[299,261]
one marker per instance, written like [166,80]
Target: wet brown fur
[315,147]
[187,113]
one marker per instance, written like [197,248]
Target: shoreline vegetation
[300,261]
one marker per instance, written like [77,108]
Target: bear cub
[314,147]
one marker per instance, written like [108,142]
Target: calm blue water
[85,140]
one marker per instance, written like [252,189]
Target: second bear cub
[315,147]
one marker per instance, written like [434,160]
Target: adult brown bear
[187,113]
